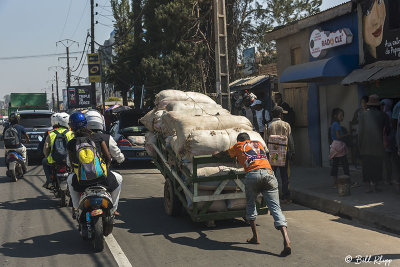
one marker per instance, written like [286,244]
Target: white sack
[197,108]
[182,124]
[206,142]
[150,141]
[177,95]
[148,120]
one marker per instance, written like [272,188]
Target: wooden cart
[182,186]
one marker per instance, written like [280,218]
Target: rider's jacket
[50,142]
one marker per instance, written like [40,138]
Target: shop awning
[248,82]
[320,70]
[373,72]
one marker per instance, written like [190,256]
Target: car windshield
[35,120]
[129,119]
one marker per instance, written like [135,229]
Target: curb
[338,208]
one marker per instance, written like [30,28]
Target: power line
[79,23]
[83,52]
[37,56]
[97,22]
[66,19]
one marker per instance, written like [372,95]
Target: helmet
[63,119]
[14,118]
[95,120]
[54,119]
[77,121]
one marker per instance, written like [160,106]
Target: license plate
[141,154]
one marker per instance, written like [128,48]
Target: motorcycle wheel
[64,201]
[98,237]
[108,225]
[12,172]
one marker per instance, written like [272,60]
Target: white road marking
[117,252]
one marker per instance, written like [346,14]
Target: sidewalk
[312,187]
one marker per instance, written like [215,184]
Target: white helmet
[95,120]
[63,119]
[54,119]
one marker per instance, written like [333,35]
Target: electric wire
[38,56]
[97,22]
[83,52]
[66,19]
[79,23]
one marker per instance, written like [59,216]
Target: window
[295,55]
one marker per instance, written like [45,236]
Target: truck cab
[36,123]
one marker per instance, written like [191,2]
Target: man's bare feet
[286,252]
[253,240]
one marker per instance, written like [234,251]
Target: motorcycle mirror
[40,138]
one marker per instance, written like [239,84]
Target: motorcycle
[58,176]
[14,162]
[94,216]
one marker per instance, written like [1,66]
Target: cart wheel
[172,205]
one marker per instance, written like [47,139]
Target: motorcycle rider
[96,124]
[19,148]
[78,124]
[60,126]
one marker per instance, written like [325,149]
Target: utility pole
[93,85]
[67,43]
[58,99]
[221,54]
[57,92]
[52,96]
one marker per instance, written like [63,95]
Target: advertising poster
[381,30]
[79,97]
[249,61]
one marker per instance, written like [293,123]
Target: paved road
[36,232]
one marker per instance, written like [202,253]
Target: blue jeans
[263,181]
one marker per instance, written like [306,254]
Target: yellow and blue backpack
[90,164]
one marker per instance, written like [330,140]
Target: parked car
[36,123]
[129,134]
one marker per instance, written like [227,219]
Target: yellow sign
[94,68]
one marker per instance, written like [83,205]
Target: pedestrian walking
[371,125]
[278,136]
[259,179]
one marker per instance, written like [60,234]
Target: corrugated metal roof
[373,72]
[249,82]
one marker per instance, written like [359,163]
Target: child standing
[338,149]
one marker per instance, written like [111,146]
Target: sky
[32,28]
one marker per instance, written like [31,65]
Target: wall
[293,91]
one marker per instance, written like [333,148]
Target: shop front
[333,54]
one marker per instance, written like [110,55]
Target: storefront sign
[381,30]
[320,41]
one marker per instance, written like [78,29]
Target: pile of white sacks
[193,124]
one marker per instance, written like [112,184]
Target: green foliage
[170,44]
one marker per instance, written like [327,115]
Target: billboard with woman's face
[381,29]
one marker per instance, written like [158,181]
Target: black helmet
[14,118]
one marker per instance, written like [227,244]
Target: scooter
[15,163]
[58,176]
[94,216]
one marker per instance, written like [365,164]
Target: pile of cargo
[193,124]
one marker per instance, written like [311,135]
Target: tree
[249,20]
[177,45]
[119,72]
